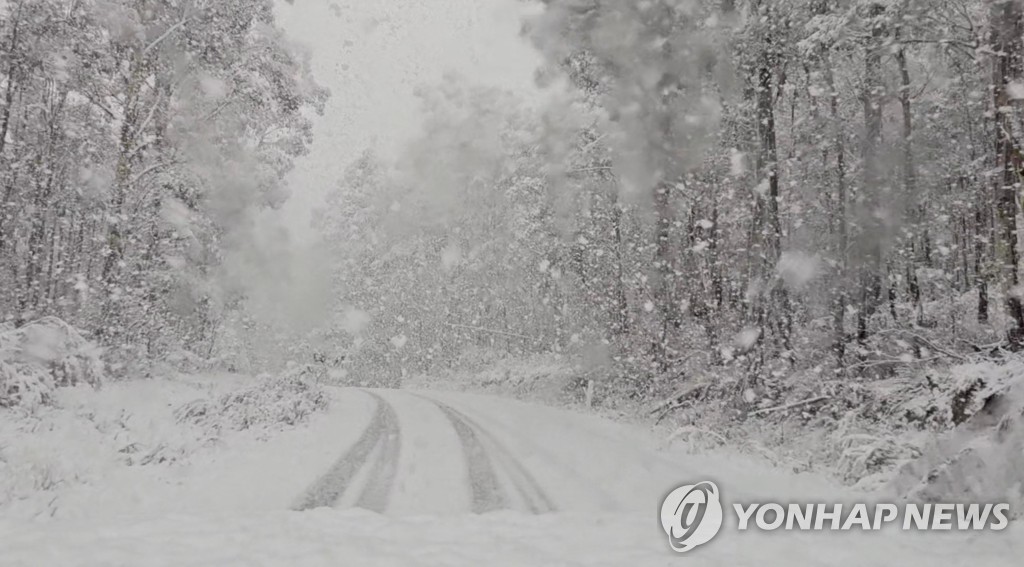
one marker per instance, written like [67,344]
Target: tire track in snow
[594,486]
[483,479]
[483,452]
[382,431]
[377,492]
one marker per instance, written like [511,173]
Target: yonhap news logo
[692,515]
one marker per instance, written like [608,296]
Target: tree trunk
[919,212]
[663,285]
[1006,29]
[872,269]
[621,319]
[840,293]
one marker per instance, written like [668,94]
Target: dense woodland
[138,139]
[746,189]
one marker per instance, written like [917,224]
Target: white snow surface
[230,503]
[330,537]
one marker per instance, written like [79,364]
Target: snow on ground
[229,503]
[354,537]
[122,450]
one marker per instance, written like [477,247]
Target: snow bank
[41,356]
[86,436]
[982,458]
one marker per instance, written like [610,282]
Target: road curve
[378,449]
[483,454]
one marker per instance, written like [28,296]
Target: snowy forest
[747,201]
[137,141]
[787,225]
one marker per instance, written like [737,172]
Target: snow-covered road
[426,453]
[393,477]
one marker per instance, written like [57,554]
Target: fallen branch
[790,406]
[588,169]
[676,401]
[880,362]
[678,397]
[167,33]
[982,348]
[492,331]
[925,342]
[668,409]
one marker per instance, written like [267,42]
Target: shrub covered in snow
[926,432]
[546,378]
[42,355]
[85,435]
[273,402]
[982,458]
[133,429]
[942,399]
[129,361]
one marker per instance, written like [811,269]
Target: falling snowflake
[1015,90]
[747,338]
[737,163]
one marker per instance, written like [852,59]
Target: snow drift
[43,355]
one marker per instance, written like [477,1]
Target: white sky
[373,54]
